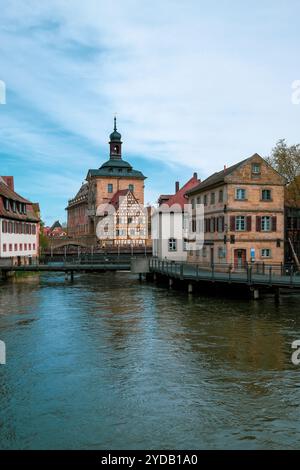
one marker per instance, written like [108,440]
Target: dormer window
[6,204]
[14,206]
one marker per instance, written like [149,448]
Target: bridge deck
[190,272]
[68,267]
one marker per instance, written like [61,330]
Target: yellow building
[244,215]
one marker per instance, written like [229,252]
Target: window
[4,247]
[110,188]
[204,252]
[4,226]
[25,246]
[16,247]
[266,253]
[221,223]
[33,246]
[10,247]
[185,246]
[221,195]
[29,247]
[205,200]
[193,203]
[172,244]
[240,194]
[194,225]
[255,168]
[266,223]
[221,252]
[266,195]
[212,198]
[6,204]
[240,223]
[131,188]
[21,247]
[199,200]
[129,220]
[14,206]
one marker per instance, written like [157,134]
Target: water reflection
[107,362]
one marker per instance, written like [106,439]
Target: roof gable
[179,198]
[241,172]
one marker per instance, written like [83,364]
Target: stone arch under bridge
[58,245]
[64,243]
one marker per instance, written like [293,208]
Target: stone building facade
[114,177]
[244,215]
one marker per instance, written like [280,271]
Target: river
[109,363]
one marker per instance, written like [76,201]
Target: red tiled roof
[8,193]
[115,200]
[179,197]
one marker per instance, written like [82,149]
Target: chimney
[176,187]
[9,180]
[195,175]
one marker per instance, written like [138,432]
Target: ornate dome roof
[115,136]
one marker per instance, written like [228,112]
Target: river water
[109,363]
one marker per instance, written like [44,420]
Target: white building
[168,224]
[19,225]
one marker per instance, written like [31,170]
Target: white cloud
[192,84]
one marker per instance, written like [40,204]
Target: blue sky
[195,85]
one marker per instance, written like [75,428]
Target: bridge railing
[249,272]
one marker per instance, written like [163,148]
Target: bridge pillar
[255,294]
[277,295]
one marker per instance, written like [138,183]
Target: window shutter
[232,223]
[274,224]
[249,223]
[258,223]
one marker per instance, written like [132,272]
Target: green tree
[44,242]
[286,160]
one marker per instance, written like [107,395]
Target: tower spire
[115,143]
